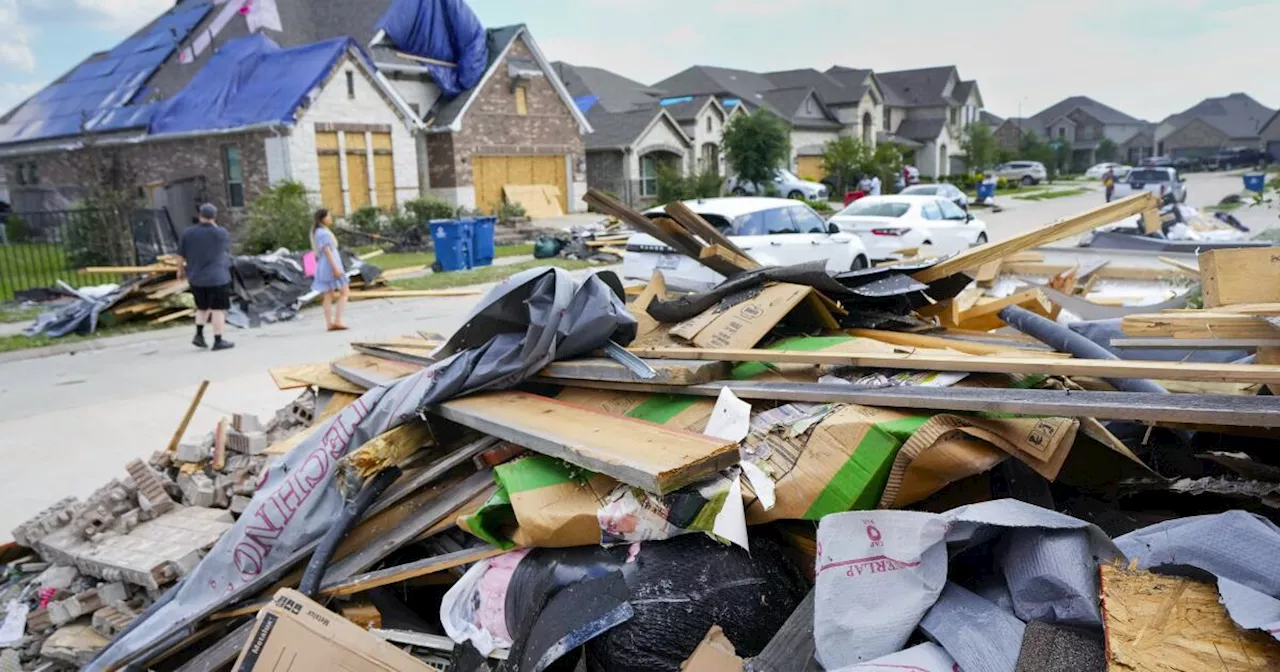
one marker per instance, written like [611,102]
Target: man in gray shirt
[206,264]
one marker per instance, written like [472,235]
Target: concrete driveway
[68,423]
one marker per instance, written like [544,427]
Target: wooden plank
[1259,309]
[127,270]
[318,375]
[373,371]
[1242,275]
[402,272]
[983,316]
[186,417]
[1071,226]
[1151,222]
[174,316]
[1163,409]
[1107,272]
[695,224]
[687,244]
[1198,324]
[411,293]
[727,256]
[609,205]
[1197,343]
[940,343]
[669,372]
[387,449]
[1227,373]
[412,570]
[1182,267]
[219,461]
[1159,623]
[988,272]
[639,453]
[370,255]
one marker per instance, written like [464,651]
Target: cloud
[15,47]
[120,16]
[12,93]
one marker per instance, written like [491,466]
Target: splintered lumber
[1198,343]
[1151,222]
[411,293]
[318,375]
[1242,275]
[1158,623]
[186,417]
[727,256]
[1224,373]
[387,449]
[1104,272]
[1198,324]
[1183,267]
[1064,228]
[412,570]
[1163,409]
[369,255]
[174,316]
[982,316]
[695,224]
[1260,309]
[611,206]
[988,272]
[644,454]
[939,343]
[669,372]
[127,270]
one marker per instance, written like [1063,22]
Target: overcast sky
[1149,58]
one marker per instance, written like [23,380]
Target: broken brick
[150,486]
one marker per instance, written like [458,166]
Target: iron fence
[39,248]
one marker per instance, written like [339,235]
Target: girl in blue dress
[331,278]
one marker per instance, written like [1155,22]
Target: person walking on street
[331,277]
[875,185]
[205,251]
[1109,182]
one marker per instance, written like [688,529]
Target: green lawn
[1047,195]
[480,276]
[17,313]
[1225,207]
[393,260]
[27,265]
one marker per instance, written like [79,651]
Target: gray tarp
[522,325]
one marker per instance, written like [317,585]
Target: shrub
[509,211]
[427,208]
[16,230]
[821,207]
[367,219]
[98,236]
[672,186]
[281,217]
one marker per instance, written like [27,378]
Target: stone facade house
[1270,136]
[1213,124]
[627,150]
[927,111]
[1083,123]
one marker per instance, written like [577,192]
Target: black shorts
[212,298]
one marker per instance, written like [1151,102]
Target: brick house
[518,126]
[1213,124]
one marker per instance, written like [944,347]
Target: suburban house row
[357,122]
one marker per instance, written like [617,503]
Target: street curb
[80,346]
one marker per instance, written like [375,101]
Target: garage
[492,172]
[810,168]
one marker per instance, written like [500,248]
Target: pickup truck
[1159,181]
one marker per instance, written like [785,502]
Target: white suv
[774,231]
[786,182]
[1026,172]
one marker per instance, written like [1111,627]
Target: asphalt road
[69,423]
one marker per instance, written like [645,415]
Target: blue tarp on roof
[446,30]
[585,103]
[250,80]
[105,87]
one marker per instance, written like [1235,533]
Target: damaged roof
[751,89]
[685,108]
[619,130]
[611,91]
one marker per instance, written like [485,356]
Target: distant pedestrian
[331,277]
[864,185]
[875,185]
[1109,183]
[205,250]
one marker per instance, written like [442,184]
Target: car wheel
[739,191]
[982,240]
[796,196]
[859,263]
[1027,180]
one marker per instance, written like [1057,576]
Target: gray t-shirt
[207,250]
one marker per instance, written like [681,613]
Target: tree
[280,217]
[1032,147]
[1107,151]
[886,162]
[979,146]
[844,159]
[757,145]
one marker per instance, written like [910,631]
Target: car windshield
[1148,176]
[788,175]
[921,190]
[866,208]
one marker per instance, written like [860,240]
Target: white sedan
[1096,172]
[889,224]
[774,231]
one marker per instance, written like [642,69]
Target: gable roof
[791,102]
[924,130]
[829,89]
[703,79]
[687,108]
[448,115]
[1103,113]
[990,119]
[926,87]
[612,91]
[619,130]
[1237,115]
[853,79]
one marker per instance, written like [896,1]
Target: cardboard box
[296,634]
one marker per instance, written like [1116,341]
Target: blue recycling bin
[452,241]
[986,190]
[482,232]
[1255,182]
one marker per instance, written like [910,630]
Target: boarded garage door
[491,172]
[810,168]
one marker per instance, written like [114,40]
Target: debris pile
[603,242]
[939,464]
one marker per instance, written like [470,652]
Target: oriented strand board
[1160,623]
[1243,275]
[1198,324]
[319,375]
[646,455]
[538,200]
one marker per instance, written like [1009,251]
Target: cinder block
[240,503]
[41,524]
[249,443]
[150,486]
[246,422]
[59,577]
[191,452]
[198,490]
[110,620]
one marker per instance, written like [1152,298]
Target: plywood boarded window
[522,101]
[330,172]
[357,170]
[384,171]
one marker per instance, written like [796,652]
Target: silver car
[941,189]
[1026,172]
[788,184]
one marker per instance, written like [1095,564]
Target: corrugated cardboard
[743,324]
[296,634]
[714,654]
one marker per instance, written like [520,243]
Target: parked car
[947,191]
[1157,162]
[1159,181]
[1096,172]
[888,224]
[774,231]
[1026,172]
[787,183]
[1188,164]
[1238,157]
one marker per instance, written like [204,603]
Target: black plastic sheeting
[1102,331]
[269,288]
[877,291]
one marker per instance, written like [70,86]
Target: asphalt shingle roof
[916,88]
[853,79]
[499,38]
[990,119]
[614,92]
[924,130]
[746,86]
[829,89]
[687,110]
[615,130]
[1236,115]
[1103,113]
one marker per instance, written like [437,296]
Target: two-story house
[1213,124]
[928,111]
[1083,123]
